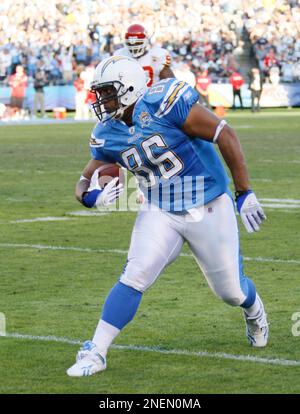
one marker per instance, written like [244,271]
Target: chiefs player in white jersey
[155,60]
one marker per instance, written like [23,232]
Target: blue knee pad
[121,305]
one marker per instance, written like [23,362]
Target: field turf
[55,275]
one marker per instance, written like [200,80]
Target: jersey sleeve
[97,150]
[177,103]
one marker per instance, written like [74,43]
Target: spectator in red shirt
[269,62]
[18,83]
[202,85]
[236,80]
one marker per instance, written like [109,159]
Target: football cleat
[88,361]
[257,329]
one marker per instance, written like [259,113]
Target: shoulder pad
[164,94]
[162,55]
[158,51]
[157,91]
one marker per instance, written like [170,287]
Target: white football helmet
[125,78]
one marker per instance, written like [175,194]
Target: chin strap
[119,113]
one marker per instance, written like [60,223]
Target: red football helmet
[137,40]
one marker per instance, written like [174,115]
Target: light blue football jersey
[176,172]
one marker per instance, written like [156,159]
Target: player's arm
[202,91]
[166,72]
[203,123]
[84,182]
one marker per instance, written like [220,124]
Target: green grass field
[59,292]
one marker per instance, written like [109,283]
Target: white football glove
[94,183]
[250,210]
[110,193]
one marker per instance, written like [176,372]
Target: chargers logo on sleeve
[172,96]
[96,142]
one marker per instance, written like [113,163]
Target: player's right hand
[110,193]
[102,198]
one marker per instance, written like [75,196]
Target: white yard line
[280,161]
[120,251]
[88,213]
[281,205]
[263,114]
[281,210]
[281,200]
[67,248]
[178,352]
[41,219]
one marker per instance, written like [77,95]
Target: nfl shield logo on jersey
[145,119]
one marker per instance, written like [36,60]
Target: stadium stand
[61,38]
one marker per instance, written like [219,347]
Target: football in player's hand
[109,171]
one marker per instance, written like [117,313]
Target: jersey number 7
[150,75]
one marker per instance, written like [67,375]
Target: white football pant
[158,237]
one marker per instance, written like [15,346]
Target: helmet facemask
[118,90]
[137,47]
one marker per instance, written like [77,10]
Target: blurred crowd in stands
[61,36]
[274,32]
[59,42]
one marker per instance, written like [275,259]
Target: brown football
[109,171]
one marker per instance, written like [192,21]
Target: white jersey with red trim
[152,62]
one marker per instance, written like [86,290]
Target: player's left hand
[250,210]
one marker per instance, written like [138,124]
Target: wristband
[241,193]
[89,198]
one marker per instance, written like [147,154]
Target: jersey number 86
[168,163]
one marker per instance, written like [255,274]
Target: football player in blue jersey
[163,135]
